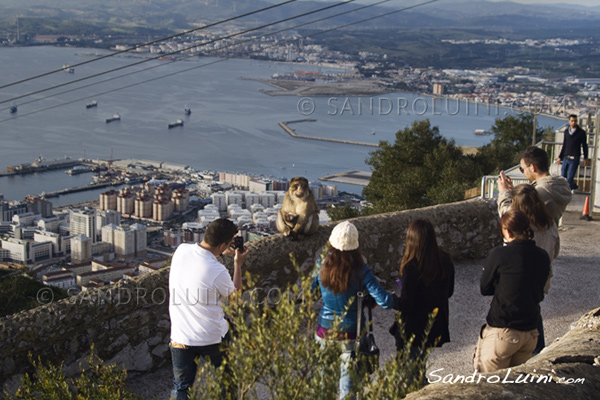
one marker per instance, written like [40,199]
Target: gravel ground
[574,292]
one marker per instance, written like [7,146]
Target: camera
[238,243]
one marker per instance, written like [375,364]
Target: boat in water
[68,69]
[176,124]
[13,109]
[187,110]
[481,132]
[80,169]
[115,117]
[91,104]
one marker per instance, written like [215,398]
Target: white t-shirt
[197,283]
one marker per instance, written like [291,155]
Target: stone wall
[129,322]
[566,369]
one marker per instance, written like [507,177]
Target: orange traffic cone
[586,210]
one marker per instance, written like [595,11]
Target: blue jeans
[185,367]
[345,386]
[569,168]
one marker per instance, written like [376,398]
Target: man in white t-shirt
[197,283]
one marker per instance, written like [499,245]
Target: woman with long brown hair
[427,278]
[340,277]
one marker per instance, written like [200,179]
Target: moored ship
[115,117]
[80,169]
[176,124]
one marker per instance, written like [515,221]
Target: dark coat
[417,301]
[515,275]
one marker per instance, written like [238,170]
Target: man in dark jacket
[574,140]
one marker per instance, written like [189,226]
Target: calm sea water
[233,125]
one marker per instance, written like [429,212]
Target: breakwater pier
[292,133]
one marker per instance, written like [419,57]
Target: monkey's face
[299,188]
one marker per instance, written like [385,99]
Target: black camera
[238,243]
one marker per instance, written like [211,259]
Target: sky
[582,2]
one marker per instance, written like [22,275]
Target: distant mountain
[502,16]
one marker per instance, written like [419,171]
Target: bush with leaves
[273,354]
[419,169]
[96,381]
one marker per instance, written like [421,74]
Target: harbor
[39,165]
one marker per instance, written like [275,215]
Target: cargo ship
[176,124]
[115,117]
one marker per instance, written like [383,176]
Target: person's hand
[586,162]
[559,161]
[240,256]
[504,182]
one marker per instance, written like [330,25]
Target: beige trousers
[499,348]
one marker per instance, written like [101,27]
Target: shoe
[572,191]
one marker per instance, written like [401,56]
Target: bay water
[233,125]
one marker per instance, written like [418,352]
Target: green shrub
[96,382]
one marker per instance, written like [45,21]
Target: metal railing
[583,176]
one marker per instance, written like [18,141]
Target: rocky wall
[129,322]
[567,369]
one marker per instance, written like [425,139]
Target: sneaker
[572,191]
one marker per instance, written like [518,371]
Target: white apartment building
[267,199]
[106,217]
[58,247]
[219,200]
[83,222]
[81,249]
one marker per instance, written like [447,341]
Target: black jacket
[515,275]
[572,144]
[417,301]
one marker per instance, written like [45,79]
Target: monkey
[299,213]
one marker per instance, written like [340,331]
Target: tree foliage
[420,168]
[512,135]
[95,382]
[344,212]
[19,291]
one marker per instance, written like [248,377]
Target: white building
[81,249]
[219,200]
[234,198]
[106,217]
[83,222]
[267,199]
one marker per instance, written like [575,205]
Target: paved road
[574,291]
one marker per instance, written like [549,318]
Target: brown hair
[422,248]
[525,198]
[517,223]
[340,269]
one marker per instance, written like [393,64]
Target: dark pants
[569,168]
[185,367]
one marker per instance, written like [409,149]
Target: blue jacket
[336,304]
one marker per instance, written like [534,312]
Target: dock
[360,178]
[292,133]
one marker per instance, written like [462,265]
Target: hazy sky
[582,2]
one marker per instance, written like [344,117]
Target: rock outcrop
[567,369]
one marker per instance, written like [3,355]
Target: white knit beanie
[344,237]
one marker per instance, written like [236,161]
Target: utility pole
[534,124]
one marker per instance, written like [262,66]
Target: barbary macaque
[299,213]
